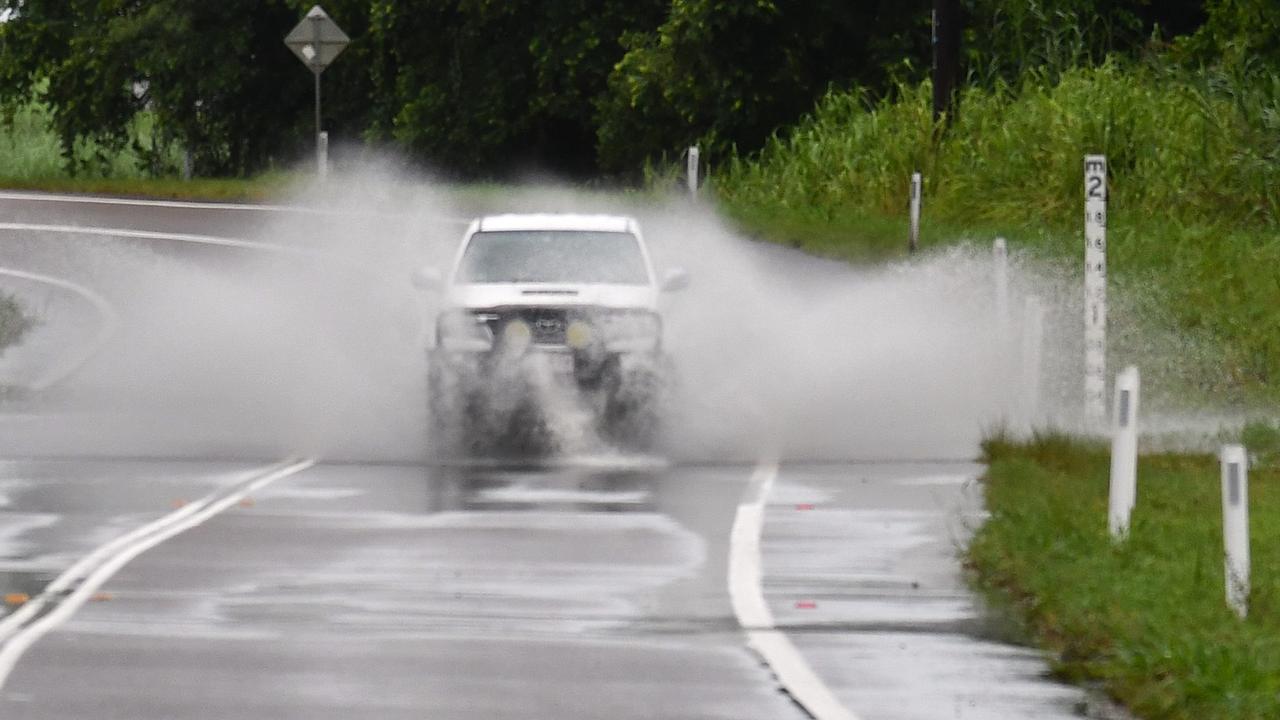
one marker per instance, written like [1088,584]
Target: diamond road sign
[317,40]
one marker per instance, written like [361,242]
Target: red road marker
[806,605]
[805,506]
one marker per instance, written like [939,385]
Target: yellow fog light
[579,335]
[517,334]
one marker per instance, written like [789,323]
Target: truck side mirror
[427,278]
[674,280]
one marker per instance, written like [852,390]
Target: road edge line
[746,592]
[71,198]
[125,549]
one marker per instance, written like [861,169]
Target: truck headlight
[463,332]
[516,336]
[632,331]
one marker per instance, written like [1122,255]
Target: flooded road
[385,581]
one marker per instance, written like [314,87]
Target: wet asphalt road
[585,589]
[582,590]
[402,592]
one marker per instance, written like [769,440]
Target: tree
[490,87]
[730,73]
[214,75]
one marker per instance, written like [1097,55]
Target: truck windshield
[553,256]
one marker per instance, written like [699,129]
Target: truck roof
[556,221]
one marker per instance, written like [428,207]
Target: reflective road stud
[1235,526]
[1124,453]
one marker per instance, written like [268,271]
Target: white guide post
[1032,354]
[691,170]
[913,242]
[1124,453]
[1095,288]
[1000,270]
[1235,526]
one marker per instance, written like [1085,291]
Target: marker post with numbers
[1095,288]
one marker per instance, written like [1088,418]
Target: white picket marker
[691,170]
[1235,525]
[1000,270]
[913,242]
[1095,287]
[1124,453]
[1032,357]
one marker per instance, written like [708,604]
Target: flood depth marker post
[913,241]
[1095,288]
[1124,453]
[1235,525]
[317,40]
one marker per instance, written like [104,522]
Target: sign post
[317,40]
[1095,288]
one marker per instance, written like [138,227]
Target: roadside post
[317,40]
[691,170]
[1095,288]
[1124,453]
[913,241]
[1032,357]
[1000,270]
[1235,526]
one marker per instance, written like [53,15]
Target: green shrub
[14,323]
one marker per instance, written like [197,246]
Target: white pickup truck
[540,309]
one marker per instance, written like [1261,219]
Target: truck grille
[547,324]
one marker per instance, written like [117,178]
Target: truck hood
[489,295]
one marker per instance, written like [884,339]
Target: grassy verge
[1146,619]
[31,159]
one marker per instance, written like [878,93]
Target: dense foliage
[486,88]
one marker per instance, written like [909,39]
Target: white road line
[153,235]
[110,323]
[70,590]
[100,200]
[195,205]
[746,592]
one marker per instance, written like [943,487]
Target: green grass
[1147,619]
[269,186]
[31,159]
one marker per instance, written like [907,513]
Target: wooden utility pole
[946,56]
